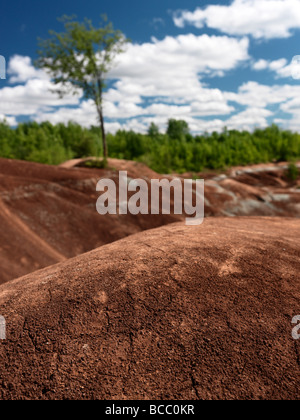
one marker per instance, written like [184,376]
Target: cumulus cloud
[292,107]
[20,70]
[253,94]
[36,92]
[291,70]
[260,65]
[183,55]
[155,81]
[170,69]
[262,19]
[84,114]
[168,74]
[276,65]
[250,118]
[257,98]
[282,68]
[29,98]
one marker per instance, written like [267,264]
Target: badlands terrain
[145,307]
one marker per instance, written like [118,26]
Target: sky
[214,64]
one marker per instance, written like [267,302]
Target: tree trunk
[100,113]
[104,143]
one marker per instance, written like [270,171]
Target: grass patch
[95,164]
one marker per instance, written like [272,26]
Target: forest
[176,150]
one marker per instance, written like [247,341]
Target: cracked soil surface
[172,313]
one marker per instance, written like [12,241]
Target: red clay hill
[48,214]
[177,312]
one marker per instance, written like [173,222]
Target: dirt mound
[48,213]
[21,249]
[173,313]
[136,169]
[258,190]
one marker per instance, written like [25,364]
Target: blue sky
[211,63]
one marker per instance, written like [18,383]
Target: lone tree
[153,130]
[177,129]
[79,59]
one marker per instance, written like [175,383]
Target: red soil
[48,214]
[173,313]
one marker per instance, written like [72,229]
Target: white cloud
[167,73]
[10,120]
[245,120]
[20,70]
[257,98]
[170,69]
[35,94]
[29,98]
[291,70]
[292,107]
[211,108]
[263,19]
[282,68]
[249,119]
[156,81]
[255,95]
[276,65]
[260,65]
[85,115]
[185,55]
[294,123]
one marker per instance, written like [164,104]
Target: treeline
[47,143]
[176,150]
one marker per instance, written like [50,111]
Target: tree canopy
[53,144]
[177,129]
[79,59]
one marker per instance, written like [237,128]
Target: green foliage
[97,164]
[47,143]
[79,58]
[177,129]
[53,144]
[153,131]
[293,172]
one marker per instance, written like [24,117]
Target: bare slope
[21,249]
[176,312]
[48,214]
